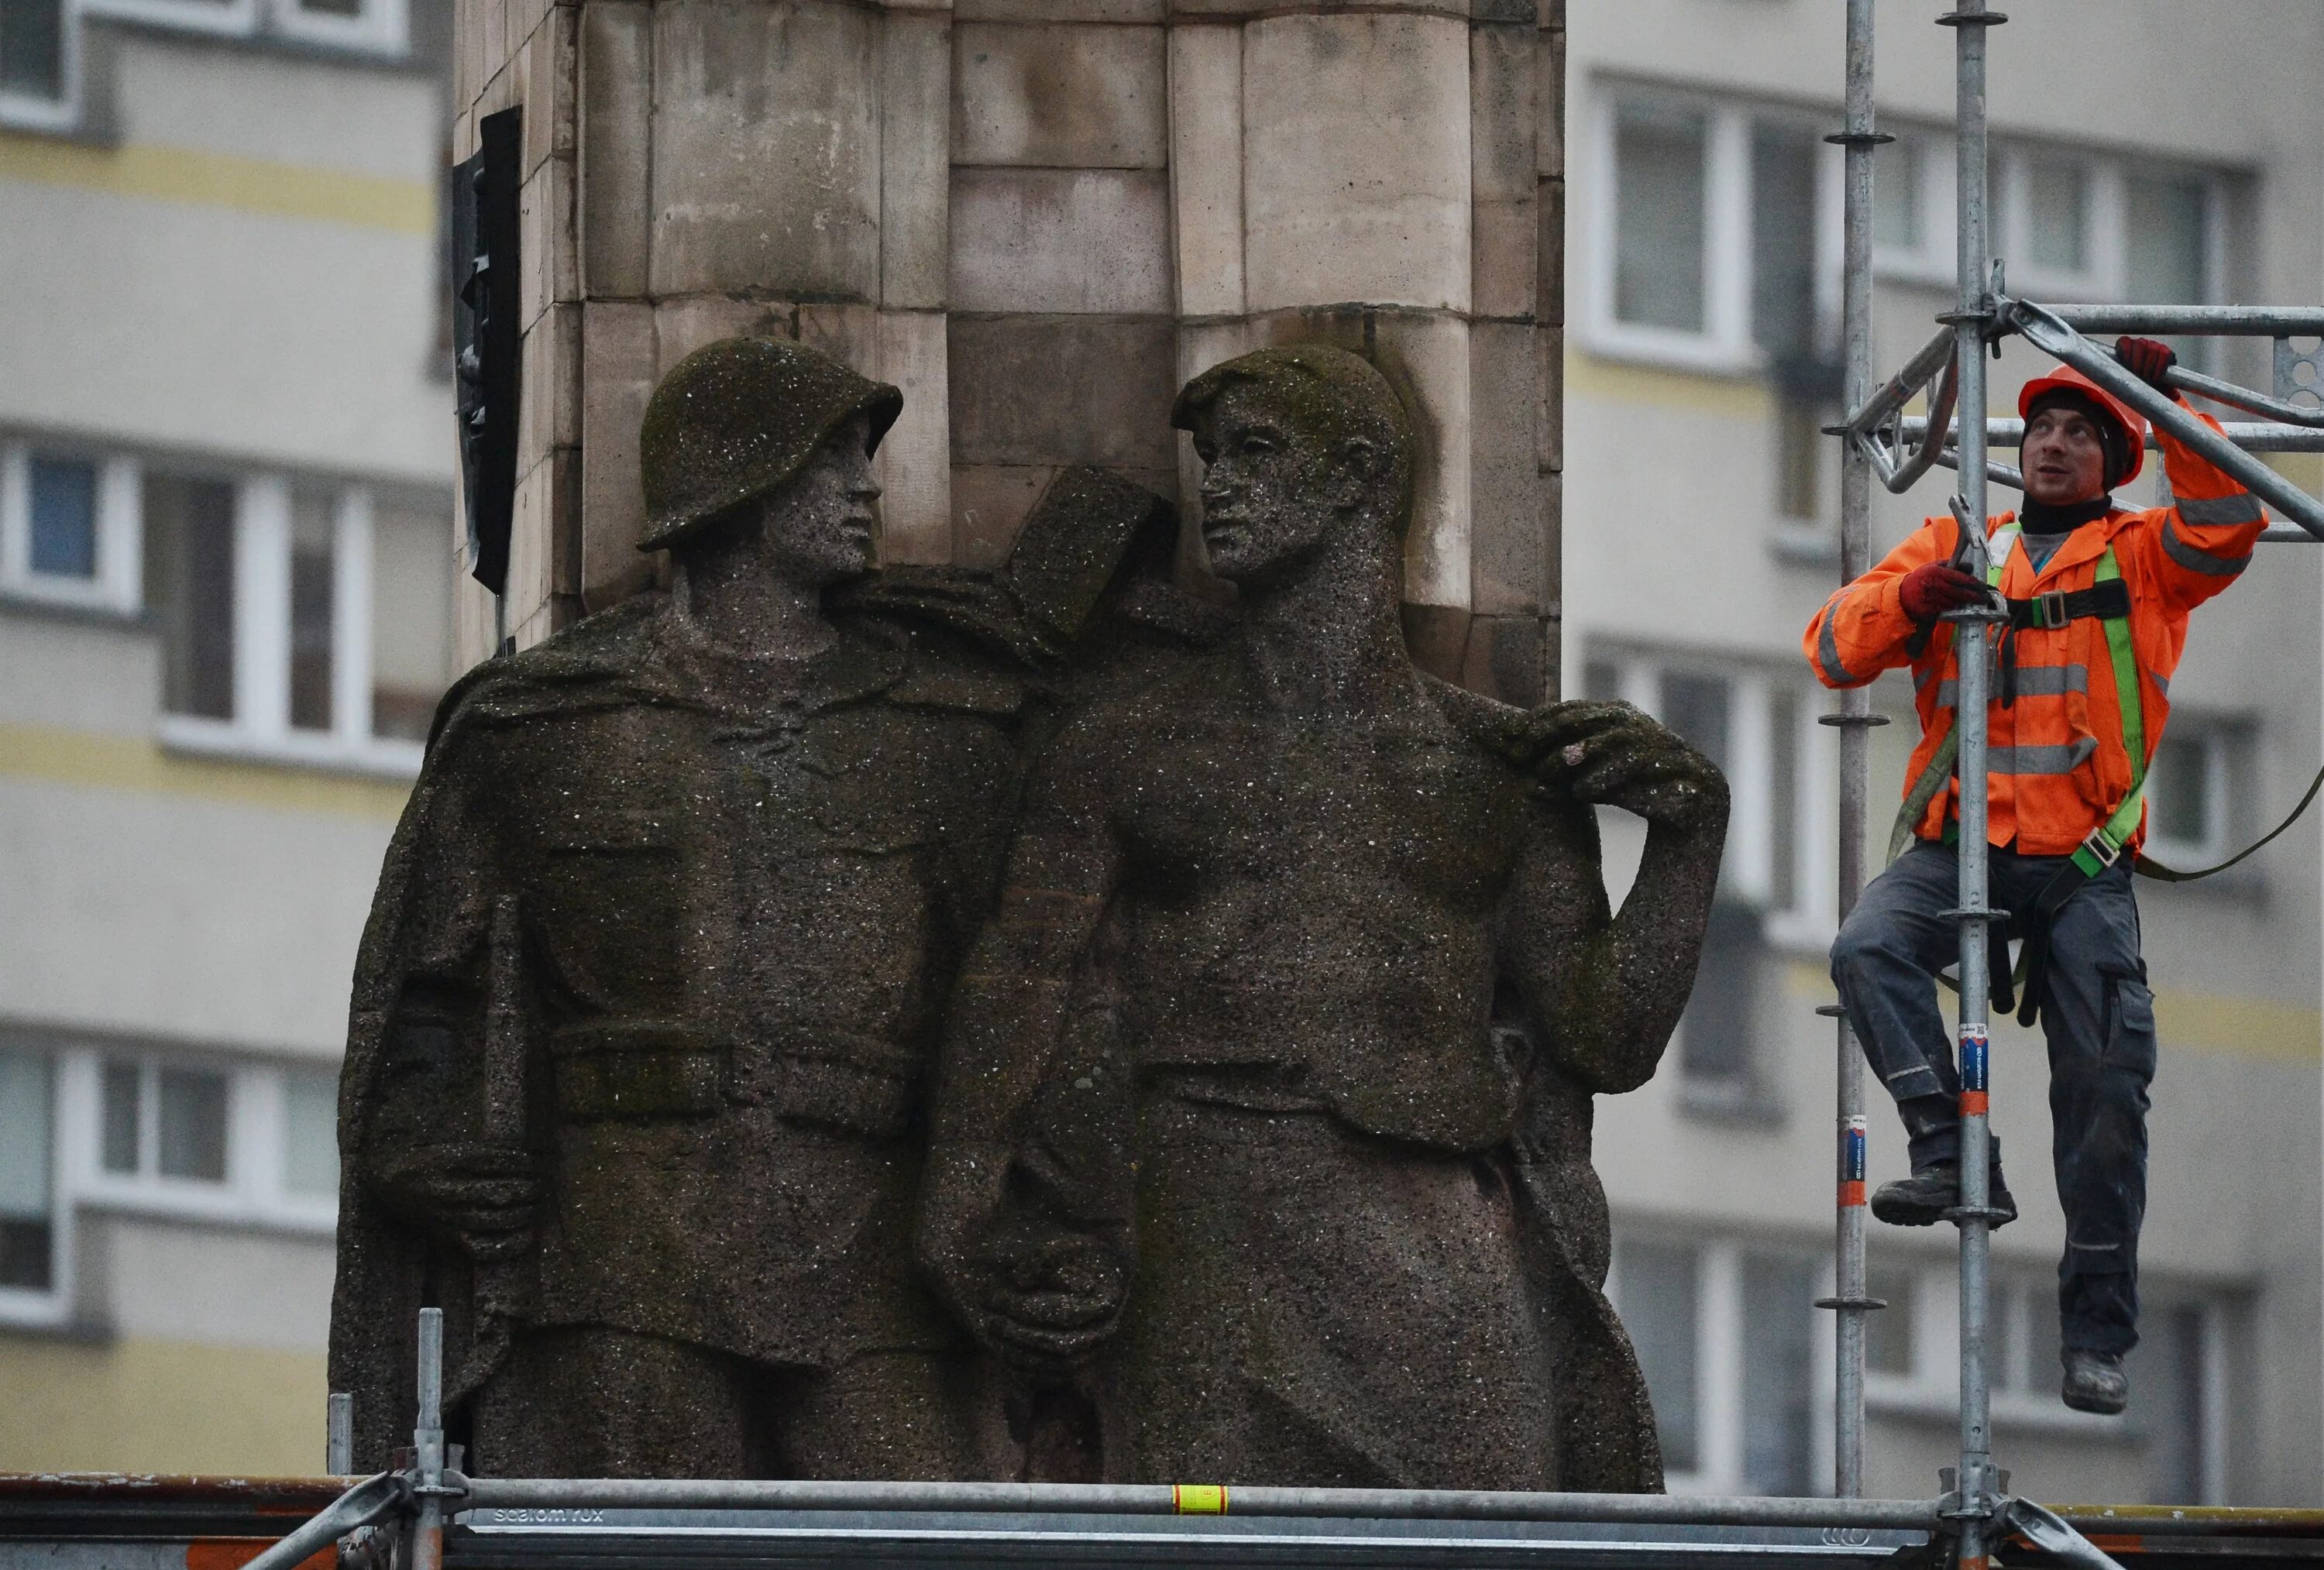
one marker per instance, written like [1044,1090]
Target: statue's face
[819,525]
[1268,494]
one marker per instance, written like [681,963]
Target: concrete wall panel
[1075,98]
[1056,240]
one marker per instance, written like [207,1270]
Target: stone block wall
[1039,217]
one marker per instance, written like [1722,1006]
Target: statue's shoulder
[569,671]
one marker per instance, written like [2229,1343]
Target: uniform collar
[2085,544]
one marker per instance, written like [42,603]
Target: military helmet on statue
[736,418]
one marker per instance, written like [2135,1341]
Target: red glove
[1933,588]
[2148,361]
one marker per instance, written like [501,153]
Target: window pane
[27,1155]
[2167,250]
[1715,1033]
[1658,216]
[1602,681]
[1888,1333]
[2166,1393]
[2055,192]
[64,517]
[189,589]
[33,48]
[313,552]
[1896,195]
[1658,1287]
[1695,706]
[2180,791]
[1800,445]
[193,1125]
[332,7]
[1783,240]
[1778,1322]
[118,1117]
[410,618]
[311,1134]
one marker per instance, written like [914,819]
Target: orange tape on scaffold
[1199,1498]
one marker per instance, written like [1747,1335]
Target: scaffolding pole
[1971,319]
[1849,1301]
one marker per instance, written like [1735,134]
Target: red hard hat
[2128,420]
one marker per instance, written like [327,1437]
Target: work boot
[1922,1199]
[2095,1381]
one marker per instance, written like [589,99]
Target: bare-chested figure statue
[1319,946]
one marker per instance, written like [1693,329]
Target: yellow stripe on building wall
[219,180]
[2203,1021]
[159,1406]
[1691,391]
[124,763]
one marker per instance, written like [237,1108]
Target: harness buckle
[2095,842]
[2052,605]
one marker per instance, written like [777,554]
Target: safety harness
[2108,599]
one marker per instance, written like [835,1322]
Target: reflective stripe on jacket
[2056,755]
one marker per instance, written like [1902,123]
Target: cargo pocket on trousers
[2130,1042]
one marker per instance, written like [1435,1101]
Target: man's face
[819,525]
[2064,461]
[1267,496]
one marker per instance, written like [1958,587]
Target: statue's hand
[1616,755]
[1052,1301]
[485,1195]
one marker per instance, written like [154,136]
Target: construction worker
[2098,598]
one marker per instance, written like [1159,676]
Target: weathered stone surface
[547,255]
[618,373]
[684,325]
[1060,240]
[1549,104]
[766,148]
[616,133]
[1502,116]
[550,67]
[1070,96]
[1122,11]
[1505,565]
[1062,389]
[1503,659]
[1356,160]
[914,467]
[1507,262]
[990,502]
[1550,378]
[1549,294]
[1315,1168]
[1206,167]
[550,386]
[914,153]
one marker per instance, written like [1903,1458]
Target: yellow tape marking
[1199,1498]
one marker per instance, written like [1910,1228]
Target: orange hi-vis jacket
[2056,760]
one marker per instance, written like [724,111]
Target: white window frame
[255,1190]
[1932,262]
[2217,743]
[21,111]
[378,25]
[1747,871]
[21,1306]
[1724,345]
[117,585]
[1718,1341]
[260,727]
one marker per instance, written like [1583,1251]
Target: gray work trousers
[2098,1016]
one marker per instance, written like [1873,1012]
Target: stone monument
[1294,1004]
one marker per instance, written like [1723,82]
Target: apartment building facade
[225,563]
[1703,229]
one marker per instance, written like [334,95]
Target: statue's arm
[1010,1011]
[430,1140]
[1605,988]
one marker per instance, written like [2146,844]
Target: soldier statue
[653,986]
[1320,948]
